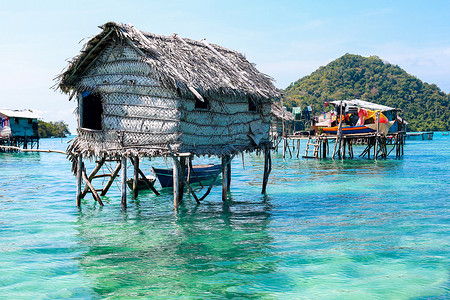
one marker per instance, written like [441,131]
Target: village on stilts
[141,95]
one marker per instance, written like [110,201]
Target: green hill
[424,105]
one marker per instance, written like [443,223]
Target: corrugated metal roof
[19,113]
[363,104]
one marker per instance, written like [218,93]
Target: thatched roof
[280,112]
[193,67]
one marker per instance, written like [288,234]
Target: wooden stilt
[229,173]
[225,177]
[267,168]
[344,142]
[150,185]
[298,147]
[124,182]
[182,176]
[79,170]
[135,162]
[177,179]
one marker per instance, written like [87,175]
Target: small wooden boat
[367,128]
[347,129]
[142,184]
[200,173]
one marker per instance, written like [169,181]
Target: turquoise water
[353,229]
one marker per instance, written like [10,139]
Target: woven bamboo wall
[141,116]
[224,128]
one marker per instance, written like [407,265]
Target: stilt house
[145,95]
[18,123]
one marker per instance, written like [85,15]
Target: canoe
[142,184]
[203,172]
[382,127]
[347,129]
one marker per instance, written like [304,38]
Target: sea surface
[326,229]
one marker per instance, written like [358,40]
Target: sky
[286,39]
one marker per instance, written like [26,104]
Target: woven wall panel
[144,139]
[119,79]
[133,99]
[132,89]
[121,52]
[125,110]
[211,130]
[97,135]
[139,124]
[214,142]
[206,118]
[136,67]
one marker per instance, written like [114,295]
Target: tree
[53,129]
[423,105]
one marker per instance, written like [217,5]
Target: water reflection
[215,249]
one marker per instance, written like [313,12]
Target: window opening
[91,111]
[202,104]
[251,105]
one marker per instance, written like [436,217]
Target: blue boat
[200,173]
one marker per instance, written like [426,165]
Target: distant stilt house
[19,128]
[357,121]
[146,95]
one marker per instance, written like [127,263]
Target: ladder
[312,141]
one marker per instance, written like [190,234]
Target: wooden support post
[344,142]
[79,170]
[377,119]
[324,147]
[229,172]
[177,182]
[267,168]
[124,182]
[225,177]
[182,175]
[135,176]
[298,147]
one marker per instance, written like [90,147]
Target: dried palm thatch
[149,85]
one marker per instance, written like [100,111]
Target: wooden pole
[124,182]
[324,147]
[225,183]
[176,182]
[375,152]
[79,170]
[229,172]
[135,162]
[344,142]
[182,176]
[267,168]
